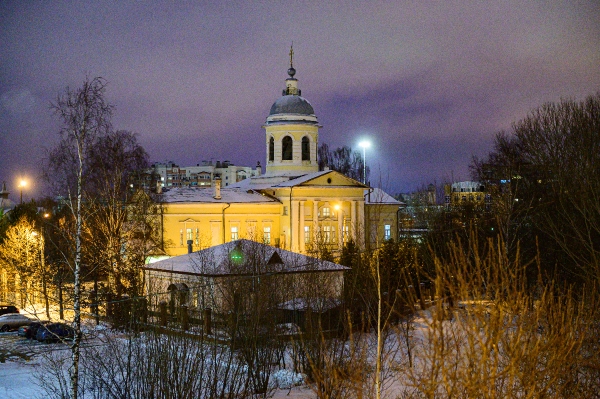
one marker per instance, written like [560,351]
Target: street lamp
[364,145]
[22,184]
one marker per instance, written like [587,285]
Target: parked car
[53,332]
[30,330]
[12,321]
[5,309]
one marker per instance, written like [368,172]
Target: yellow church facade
[293,205]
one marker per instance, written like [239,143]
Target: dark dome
[292,105]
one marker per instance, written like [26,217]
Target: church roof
[243,257]
[206,195]
[292,104]
[380,197]
[285,179]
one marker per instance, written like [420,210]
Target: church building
[293,205]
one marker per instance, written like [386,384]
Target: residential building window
[234,233]
[271,149]
[305,149]
[306,234]
[387,232]
[326,212]
[286,148]
[267,235]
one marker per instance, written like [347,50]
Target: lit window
[267,235]
[326,212]
[387,232]
[188,234]
[234,233]
[328,234]
[346,233]
[306,234]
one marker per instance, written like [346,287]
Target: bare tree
[343,160]
[85,115]
[545,171]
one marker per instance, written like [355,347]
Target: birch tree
[85,115]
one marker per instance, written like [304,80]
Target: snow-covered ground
[17,380]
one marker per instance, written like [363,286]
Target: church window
[326,212]
[188,234]
[328,234]
[306,234]
[286,148]
[267,235]
[271,149]
[234,233]
[305,149]
[346,233]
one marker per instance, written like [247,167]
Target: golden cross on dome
[292,55]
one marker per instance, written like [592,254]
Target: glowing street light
[22,184]
[364,145]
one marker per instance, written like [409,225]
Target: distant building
[464,192]
[202,175]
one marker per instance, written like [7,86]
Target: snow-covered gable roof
[380,197]
[205,194]
[243,257]
[287,179]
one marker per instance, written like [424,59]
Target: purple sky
[429,83]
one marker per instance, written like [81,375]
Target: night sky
[429,83]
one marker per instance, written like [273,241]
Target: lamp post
[22,184]
[364,145]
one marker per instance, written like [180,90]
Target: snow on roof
[378,196]
[284,179]
[206,194]
[303,179]
[243,257]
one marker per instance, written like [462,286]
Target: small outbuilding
[242,277]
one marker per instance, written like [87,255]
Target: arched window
[271,149]
[286,148]
[305,149]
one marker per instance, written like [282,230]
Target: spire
[4,193]
[291,83]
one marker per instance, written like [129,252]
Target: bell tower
[292,131]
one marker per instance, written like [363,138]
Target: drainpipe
[223,216]
[367,217]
